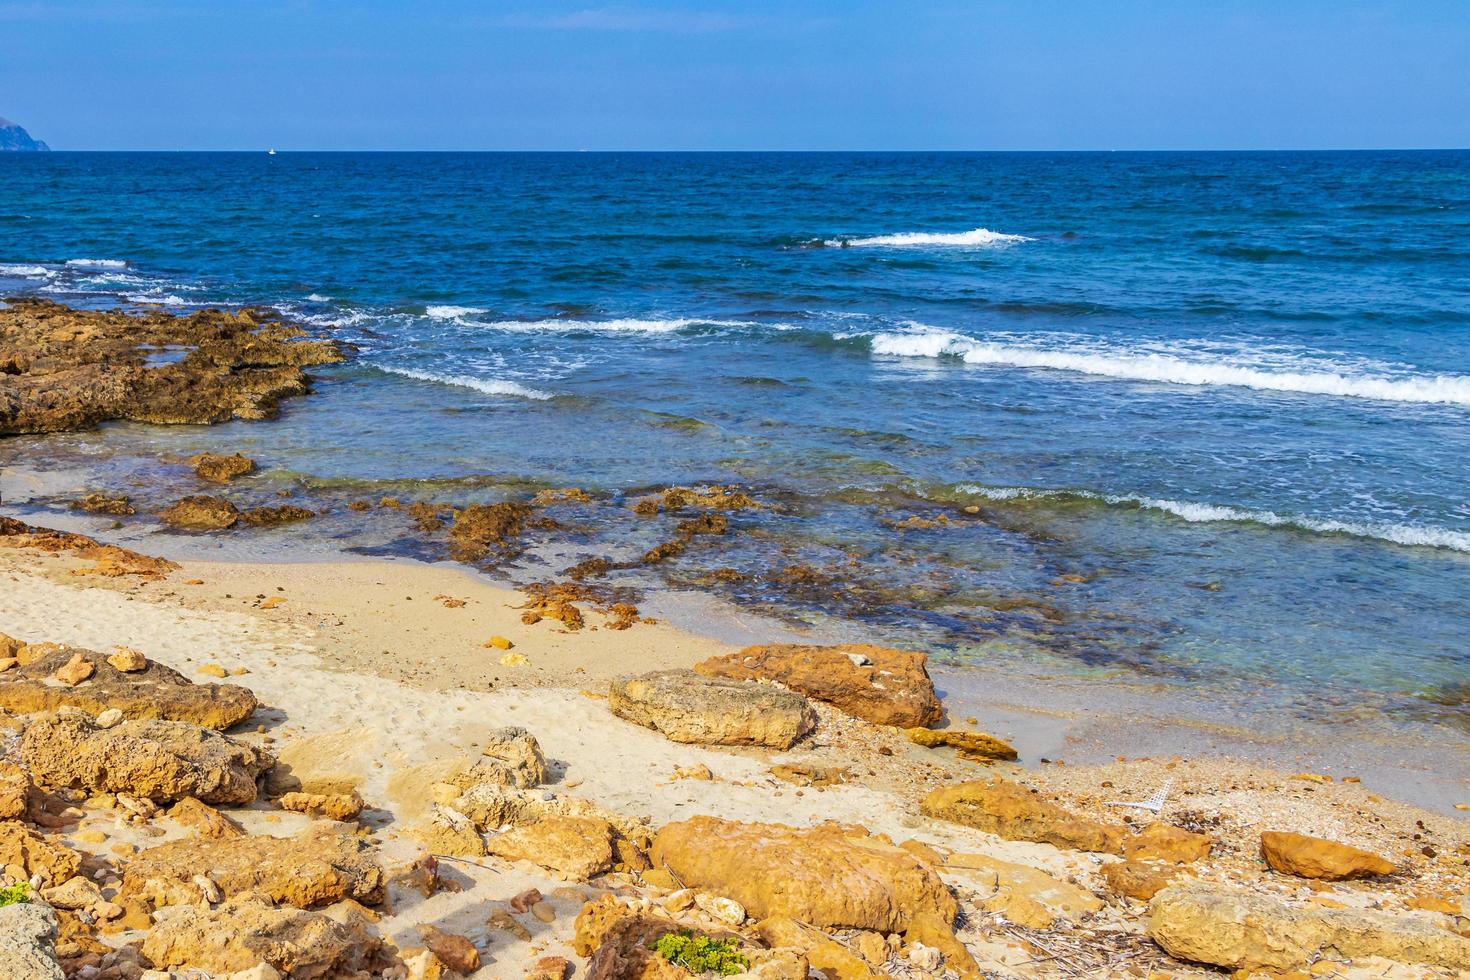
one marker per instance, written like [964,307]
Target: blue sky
[921,74]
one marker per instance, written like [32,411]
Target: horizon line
[1275,149]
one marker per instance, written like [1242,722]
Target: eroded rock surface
[877,684]
[218,468]
[74,369]
[688,707]
[28,943]
[1314,857]
[202,513]
[1008,809]
[242,933]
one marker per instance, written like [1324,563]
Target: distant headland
[13,137]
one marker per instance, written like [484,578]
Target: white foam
[26,271]
[1198,513]
[609,326]
[488,386]
[1180,364]
[450,312]
[978,237]
[317,298]
[156,297]
[97,263]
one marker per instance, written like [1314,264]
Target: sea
[1197,420]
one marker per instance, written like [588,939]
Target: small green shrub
[702,954]
[17,894]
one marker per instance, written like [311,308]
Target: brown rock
[1244,930]
[316,867]
[17,791]
[159,760]
[149,691]
[1161,842]
[75,670]
[454,951]
[687,707]
[1313,857]
[34,854]
[204,819]
[829,876]
[108,561]
[116,505]
[804,774]
[274,516]
[245,932]
[73,369]
[974,746]
[221,469]
[1007,809]
[877,684]
[549,968]
[1138,879]
[202,513]
[575,847]
[333,806]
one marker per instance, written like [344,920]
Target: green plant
[17,894]
[702,954]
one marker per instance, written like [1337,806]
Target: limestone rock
[1008,809]
[511,756]
[616,938]
[454,951]
[159,760]
[316,867]
[447,831]
[491,806]
[245,932]
[836,960]
[575,847]
[276,516]
[829,876]
[1313,857]
[877,684]
[1238,929]
[1138,879]
[974,746]
[333,806]
[75,670]
[1161,842]
[687,707]
[928,929]
[1026,896]
[204,819]
[28,942]
[17,791]
[34,854]
[74,893]
[139,690]
[202,513]
[217,468]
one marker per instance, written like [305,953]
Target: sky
[749,75]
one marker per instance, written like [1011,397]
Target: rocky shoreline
[393,770]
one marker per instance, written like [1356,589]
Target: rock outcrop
[202,513]
[162,761]
[688,707]
[316,867]
[35,854]
[829,876]
[242,933]
[1314,857]
[1026,896]
[971,746]
[1010,810]
[876,684]
[14,139]
[573,847]
[1244,930]
[28,941]
[151,691]
[218,468]
[74,369]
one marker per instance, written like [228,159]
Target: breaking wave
[1196,513]
[26,271]
[97,263]
[914,239]
[488,386]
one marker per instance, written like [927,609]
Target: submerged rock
[1313,857]
[275,516]
[688,707]
[877,684]
[127,682]
[830,876]
[1008,809]
[1244,930]
[221,469]
[202,513]
[161,761]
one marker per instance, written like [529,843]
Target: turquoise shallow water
[1214,409]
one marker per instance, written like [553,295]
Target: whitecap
[450,312]
[317,298]
[627,325]
[976,238]
[488,386]
[26,271]
[97,263]
[156,297]
[1202,513]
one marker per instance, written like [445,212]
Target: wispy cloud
[638,19]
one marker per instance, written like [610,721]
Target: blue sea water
[1210,413]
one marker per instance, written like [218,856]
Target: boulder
[830,876]
[17,791]
[202,513]
[217,468]
[490,806]
[332,806]
[876,684]
[245,932]
[444,830]
[34,854]
[616,937]
[28,942]
[1313,857]
[1244,930]
[74,893]
[1138,879]
[316,867]
[1026,896]
[145,691]
[511,756]
[276,516]
[1008,809]
[1162,842]
[162,761]
[574,847]
[688,707]
[204,819]
[452,949]
[972,746]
